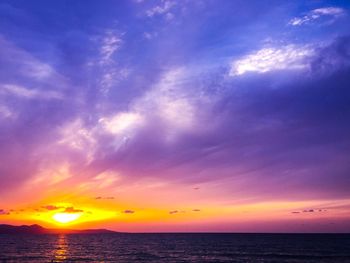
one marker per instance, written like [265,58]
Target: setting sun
[64,218]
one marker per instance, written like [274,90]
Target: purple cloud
[51,207]
[72,210]
[4,212]
[128,211]
[104,197]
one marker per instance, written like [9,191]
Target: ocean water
[176,248]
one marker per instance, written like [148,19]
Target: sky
[175,116]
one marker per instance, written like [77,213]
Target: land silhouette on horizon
[37,229]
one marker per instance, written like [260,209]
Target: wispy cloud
[75,135]
[6,112]
[23,92]
[22,64]
[104,179]
[106,63]
[111,42]
[332,13]
[162,9]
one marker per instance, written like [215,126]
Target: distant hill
[36,229]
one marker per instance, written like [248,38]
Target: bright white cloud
[79,137]
[290,57]
[173,105]
[170,103]
[122,123]
[331,12]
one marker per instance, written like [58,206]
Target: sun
[65,218]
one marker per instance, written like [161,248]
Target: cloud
[22,65]
[173,212]
[31,91]
[331,13]
[308,211]
[6,112]
[51,207]
[196,210]
[128,211]
[4,212]
[72,210]
[26,93]
[150,35]
[103,180]
[290,57]
[332,58]
[52,173]
[78,137]
[162,9]
[104,65]
[259,132]
[170,104]
[122,123]
[111,42]
[104,198]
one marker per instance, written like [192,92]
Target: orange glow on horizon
[145,211]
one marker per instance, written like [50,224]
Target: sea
[187,247]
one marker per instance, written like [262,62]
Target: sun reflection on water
[61,249]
